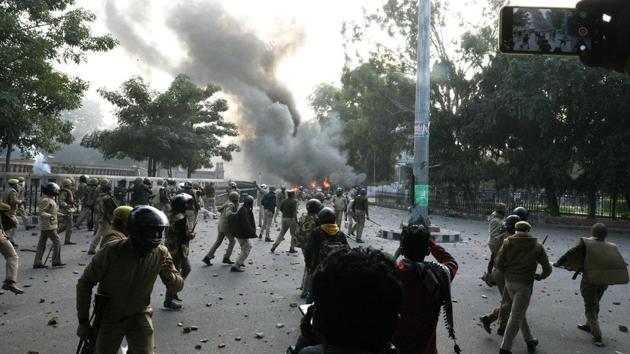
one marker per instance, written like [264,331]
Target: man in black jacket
[244,229]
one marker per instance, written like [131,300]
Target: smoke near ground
[224,51]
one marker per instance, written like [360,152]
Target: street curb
[439,237]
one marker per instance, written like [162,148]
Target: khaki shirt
[111,236]
[126,279]
[11,198]
[47,211]
[66,199]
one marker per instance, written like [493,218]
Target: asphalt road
[230,308]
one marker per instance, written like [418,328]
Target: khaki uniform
[10,256]
[227,210]
[602,264]
[127,280]
[340,204]
[517,259]
[111,236]
[67,207]
[88,201]
[47,211]
[288,207]
[360,211]
[11,197]
[281,196]
[104,214]
[178,243]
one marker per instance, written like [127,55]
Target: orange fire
[313,184]
[326,183]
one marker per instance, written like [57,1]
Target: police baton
[375,223]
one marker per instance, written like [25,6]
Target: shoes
[176,298]
[487,278]
[598,342]
[501,331]
[260,236]
[29,227]
[58,265]
[360,241]
[292,251]
[236,269]
[584,327]
[531,345]
[10,286]
[267,239]
[503,351]
[227,261]
[485,322]
[172,306]
[273,249]
[91,253]
[206,260]
[69,243]
[40,266]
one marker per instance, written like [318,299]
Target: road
[230,308]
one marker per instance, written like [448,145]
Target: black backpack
[331,244]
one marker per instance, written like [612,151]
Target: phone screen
[535,30]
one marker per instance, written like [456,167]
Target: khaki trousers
[290,225]
[360,216]
[182,264]
[339,217]
[44,235]
[520,295]
[137,329]
[10,256]
[592,294]
[501,312]
[103,228]
[267,223]
[68,224]
[246,247]
[220,237]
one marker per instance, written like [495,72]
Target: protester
[357,300]
[426,288]
[244,229]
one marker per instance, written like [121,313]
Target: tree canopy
[182,126]
[33,36]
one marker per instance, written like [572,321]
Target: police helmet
[321,196]
[233,185]
[522,213]
[263,186]
[510,223]
[248,201]
[13,182]
[188,185]
[147,181]
[92,182]
[181,202]
[51,189]
[146,225]
[20,179]
[66,182]
[326,216]
[313,206]
[83,179]
[233,197]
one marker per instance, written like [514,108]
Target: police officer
[11,197]
[306,225]
[131,264]
[120,192]
[280,197]
[119,226]
[269,203]
[360,211]
[139,193]
[178,237]
[260,194]
[228,211]
[8,252]
[104,215]
[88,202]
[48,211]
[209,194]
[340,205]
[21,212]
[193,207]
[288,207]
[67,206]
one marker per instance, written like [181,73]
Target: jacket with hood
[519,256]
[323,232]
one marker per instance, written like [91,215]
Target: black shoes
[485,322]
[91,253]
[584,327]
[69,243]
[40,266]
[292,251]
[236,269]
[598,342]
[58,265]
[227,261]
[267,239]
[206,260]
[359,241]
[503,351]
[531,345]
[172,306]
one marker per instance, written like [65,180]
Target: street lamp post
[422,119]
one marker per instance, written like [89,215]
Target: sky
[319,60]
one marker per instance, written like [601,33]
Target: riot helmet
[522,213]
[321,196]
[147,181]
[145,226]
[509,224]
[83,179]
[188,185]
[326,216]
[51,189]
[233,197]
[313,206]
[181,202]
[249,201]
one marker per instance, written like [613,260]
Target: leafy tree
[34,35]
[182,126]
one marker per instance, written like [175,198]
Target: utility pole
[421,126]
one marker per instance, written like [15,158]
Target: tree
[33,35]
[182,126]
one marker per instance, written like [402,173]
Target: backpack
[305,226]
[329,245]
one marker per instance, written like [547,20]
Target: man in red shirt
[426,289]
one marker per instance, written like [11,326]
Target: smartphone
[542,31]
